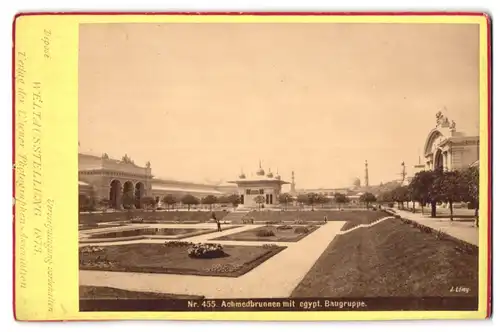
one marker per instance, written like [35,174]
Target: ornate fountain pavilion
[265,185]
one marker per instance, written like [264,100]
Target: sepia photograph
[278,166]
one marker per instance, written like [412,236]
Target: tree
[406,196]
[424,190]
[322,199]
[223,200]
[169,200]
[285,198]
[340,199]
[259,200]
[209,200]
[471,179]
[234,200]
[367,198]
[385,197]
[148,201]
[303,199]
[312,198]
[128,200]
[103,203]
[83,202]
[452,187]
[413,197]
[401,195]
[435,190]
[189,200]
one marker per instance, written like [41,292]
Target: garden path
[276,277]
[462,230]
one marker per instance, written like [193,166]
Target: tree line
[88,203]
[438,186]
[314,199]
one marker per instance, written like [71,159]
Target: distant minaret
[403,172]
[367,183]
[292,186]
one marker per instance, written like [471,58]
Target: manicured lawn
[109,293]
[84,227]
[166,222]
[158,258]
[331,215]
[169,232]
[391,259]
[160,215]
[361,217]
[280,235]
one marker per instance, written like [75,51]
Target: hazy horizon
[203,101]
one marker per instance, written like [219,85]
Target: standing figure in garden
[214,217]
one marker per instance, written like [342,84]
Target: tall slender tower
[367,183]
[292,185]
[403,172]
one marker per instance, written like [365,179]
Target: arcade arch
[115,194]
[139,193]
[128,193]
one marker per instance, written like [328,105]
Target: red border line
[13,166]
[490,163]
[270,13]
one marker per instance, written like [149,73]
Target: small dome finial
[270,174]
[242,174]
[278,177]
[260,171]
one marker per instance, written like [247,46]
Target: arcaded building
[102,177]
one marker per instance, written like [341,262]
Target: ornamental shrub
[91,249]
[224,268]
[302,230]
[284,227]
[266,232]
[178,243]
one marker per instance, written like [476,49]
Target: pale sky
[202,101]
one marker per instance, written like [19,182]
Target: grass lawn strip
[109,293]
[390,259]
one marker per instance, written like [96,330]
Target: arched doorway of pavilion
[438,161]
[139,193]
[115,194]
[128,195]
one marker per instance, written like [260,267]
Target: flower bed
[174,259]
[206,250]
[94,257]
